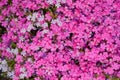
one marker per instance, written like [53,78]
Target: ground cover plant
[59,39]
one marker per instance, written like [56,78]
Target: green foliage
[115,78]
[0,39]
[3,76]
[13,45]
[9,2]
[44,11]
[111,77]
[20,50]
[49,24]
[11,63]
[52,8]
[2,30]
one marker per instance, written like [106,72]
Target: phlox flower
[19,59]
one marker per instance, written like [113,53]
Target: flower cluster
[60,39]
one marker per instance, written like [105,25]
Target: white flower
[33,19]
[22,69]
[63,1]
[30,27]
[22,75]
[37,24]
[50,1]
[22,38]
[29,17]
[45,31]
[53,21]
[10,74]
[8,49]
[23,30]
[4,62]
[58,5]
[58,1]
[41,18]
[23,72]
[4,68]
[7,19]
[15,51]
[34,16]
[12,51]
[23,53]
[45,25]
[29,60]
[57,21]
[44,50]
[16,19]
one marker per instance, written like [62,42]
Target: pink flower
[94,41]
[109,70]
[115,66]
[17,69]
[19,59]
[37,78]
[15,78]
[40,72]
[64,78]
[48,17]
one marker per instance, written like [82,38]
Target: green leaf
[44,11]
[13,45]
[3,74]
[11,63]
[2,30]
[9,2]
[20,50]
[0,39]
[49,24]
[115,78]
[53,8]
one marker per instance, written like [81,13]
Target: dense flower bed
[60,39]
